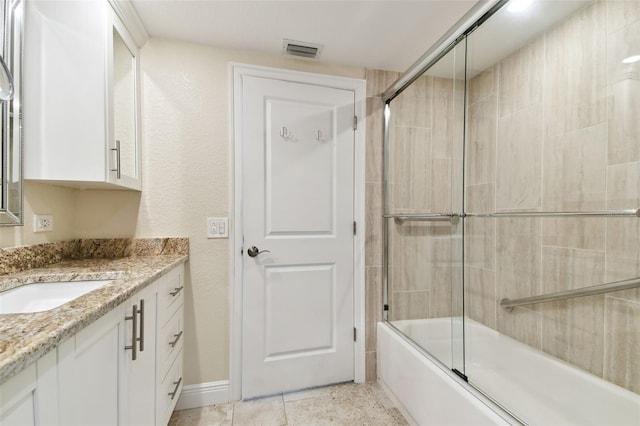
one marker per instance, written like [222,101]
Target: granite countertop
[24,338]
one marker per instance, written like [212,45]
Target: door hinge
[355,334]
[355,122]
[355,227]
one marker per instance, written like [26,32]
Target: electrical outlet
[42,223]
[217,227]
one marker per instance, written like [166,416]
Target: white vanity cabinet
[137,374]
[169,344]
[81,109]
[17,401]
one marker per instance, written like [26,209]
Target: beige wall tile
[622,343]
[623,185]
[481,141]
[621,13]
[378,81]
[480,242]
[623,250]
[444,118]
[483,84]
[441,185]
[575,72]
[373,232]
[521,324]
[520,78]
[413,107]
[575,170]
[519,160]
[573,330]
[375,140]
[373,306]
[410,168]
[518,257]
[623,123]
[566,269]
[480,198]
[409,305]
[621,45]
[371,366]
[480,295]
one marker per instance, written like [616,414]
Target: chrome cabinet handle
[117,150]
[134,332]
[175,391]
[141,338]
[175,342]
[253,251]
[176,291]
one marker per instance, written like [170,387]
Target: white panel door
[298,142]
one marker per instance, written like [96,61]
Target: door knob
[253,251]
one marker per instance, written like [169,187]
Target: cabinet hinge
[355,334]
[355,227]
[355,122]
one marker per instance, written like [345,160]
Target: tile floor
[345,404]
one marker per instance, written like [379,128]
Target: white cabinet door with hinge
[138,372]
[298,177]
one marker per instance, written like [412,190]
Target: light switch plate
[217,227]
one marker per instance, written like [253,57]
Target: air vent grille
[301,48]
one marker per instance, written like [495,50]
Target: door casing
[358,86]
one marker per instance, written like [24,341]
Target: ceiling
[380,34]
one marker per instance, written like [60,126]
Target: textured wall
[43,199]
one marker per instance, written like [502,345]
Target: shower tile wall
[554,127]
[377,82]
[422,165]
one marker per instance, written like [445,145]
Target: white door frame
[237,71]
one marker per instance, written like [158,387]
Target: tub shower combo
[512,221]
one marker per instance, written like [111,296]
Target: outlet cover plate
[217,227]
[42,223]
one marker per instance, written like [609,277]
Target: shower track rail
[509,304]
[594,213]
[454,217]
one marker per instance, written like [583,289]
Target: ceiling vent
[301,48]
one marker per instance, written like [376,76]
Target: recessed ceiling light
[519,5]
[631,59]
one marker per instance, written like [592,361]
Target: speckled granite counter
[26,337]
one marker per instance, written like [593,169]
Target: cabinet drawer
[169,392]
[170,343]
[170,294]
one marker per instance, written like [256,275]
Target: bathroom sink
[45,296]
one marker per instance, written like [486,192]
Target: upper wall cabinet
[82,113]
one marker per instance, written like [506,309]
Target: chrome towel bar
[427,217]
[594,213]
[509,304]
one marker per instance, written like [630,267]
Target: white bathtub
[538,388]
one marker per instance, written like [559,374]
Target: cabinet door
[88,373]
[124,124]
[17,401]
[137,393]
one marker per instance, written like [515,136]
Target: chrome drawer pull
[175,391]
[117,150]
[141,338]
[175,342]
[176,291]
[134,332]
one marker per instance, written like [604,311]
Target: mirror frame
[11,197]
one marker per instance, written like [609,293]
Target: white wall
[186,178]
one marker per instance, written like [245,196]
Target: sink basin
[44,296]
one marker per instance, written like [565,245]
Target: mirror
[124,102]
[11,210]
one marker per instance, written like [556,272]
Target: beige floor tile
[343,404]
[263,412]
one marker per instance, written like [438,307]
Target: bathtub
[537,388]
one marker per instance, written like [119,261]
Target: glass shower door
[423,207]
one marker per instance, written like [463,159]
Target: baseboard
[203,394]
